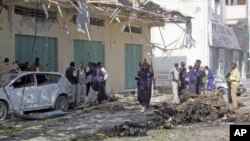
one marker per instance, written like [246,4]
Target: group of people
[196,79]
[36,66]
[83,78]
[200,80]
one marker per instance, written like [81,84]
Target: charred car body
[30,91]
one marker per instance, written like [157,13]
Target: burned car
[32,91]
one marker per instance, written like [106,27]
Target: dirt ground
[195,132]
[86,124]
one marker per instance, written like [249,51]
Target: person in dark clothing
[138,72]
[26,66]
[183,75]
[69,73]
[195,78]
[89,77]
[6,60]
[97,83]
[70,76]
[144,78]
[229,96]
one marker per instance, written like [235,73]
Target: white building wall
[199,11]
[203,12]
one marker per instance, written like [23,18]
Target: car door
[23,93]
[47,89]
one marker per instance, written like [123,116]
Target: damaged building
[115,32]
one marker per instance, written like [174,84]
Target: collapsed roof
[145,10]
[127,11]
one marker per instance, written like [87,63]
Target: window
[35,13]
[93,21]
[43,79]
[97,22]
[54,78]
[24,81]
[136,30]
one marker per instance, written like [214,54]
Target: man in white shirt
[81,84]
[105,77]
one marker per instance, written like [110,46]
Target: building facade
[57,42]
[219,29]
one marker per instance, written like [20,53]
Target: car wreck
[30,91]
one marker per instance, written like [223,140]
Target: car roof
[34,72]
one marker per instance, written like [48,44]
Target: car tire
[62,103]
[222,91]
[3,111]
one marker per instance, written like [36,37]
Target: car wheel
[62,103]
[3,111]
[222,91]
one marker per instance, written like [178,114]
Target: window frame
[24,85]
[49,78]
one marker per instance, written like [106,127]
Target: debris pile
[207,107]
[129,129]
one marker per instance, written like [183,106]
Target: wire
[19,110]
[35,36]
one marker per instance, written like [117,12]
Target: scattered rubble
[194,108]
[207,107]
[124,119]
[130,129]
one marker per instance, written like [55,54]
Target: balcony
[235,14]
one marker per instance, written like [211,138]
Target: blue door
[27,48]
[88,51]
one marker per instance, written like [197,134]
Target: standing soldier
[183,75]
[175,83]
[234,80]
[144,79]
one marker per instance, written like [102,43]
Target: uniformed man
[210,78]
[175,78]
[195,78]
[144,79]
[234,80]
